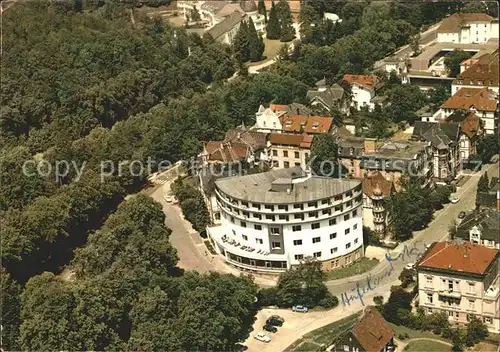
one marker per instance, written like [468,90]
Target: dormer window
[460,81]
[303,123]
[351,151]
[289,123]
[480,83]
[315,125]
[340,150]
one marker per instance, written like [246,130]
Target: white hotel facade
[272,221]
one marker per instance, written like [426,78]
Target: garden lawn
[271,48]
[324,335]
[361,266]
[427,346]
[414,334]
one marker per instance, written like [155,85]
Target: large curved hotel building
[271,221]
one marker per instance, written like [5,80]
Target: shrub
[267,296]
[329,301]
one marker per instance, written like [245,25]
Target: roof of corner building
[485,68]
[376,183]
[257,187]
[441,135]
[307,124]
[255,140]
[398,149]
[302,140]
[469,122]
[483,99]
[365,81]
[466,257]
[227,152]
[454,22]
[226,25]
[372,331]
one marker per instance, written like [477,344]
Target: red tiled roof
[376,185]
[362,80]
[464,257]
[469,122]
[454,22]
[226,152]
[297,140]
[307,124]
[372,331]
[484,71]
[277,107]
[483,99]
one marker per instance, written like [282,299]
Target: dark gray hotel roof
[257,187]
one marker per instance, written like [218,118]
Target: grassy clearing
[324,335]
[414,334]
[361,266]
[427,346]
[270,51]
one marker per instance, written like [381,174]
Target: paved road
[436,231]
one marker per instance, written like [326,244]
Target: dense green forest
[81,82]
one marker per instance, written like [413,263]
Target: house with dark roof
[467,28]
[396,157]
[376,190]
[491,198]
[371,333]
[481,227]
[461,279]
[327,97]
[444,142]
[471,128]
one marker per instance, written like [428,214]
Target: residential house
[327,97]
[460,279]
[376,189]
[370,334]
[491,198]
[269,119]
[470,131]
[395,158]
[350,151]
[481,227]
[478,73]
[226,30]
[238,146]
[444,142]
[288,150]
[362,90]
[467,28]
[481,101]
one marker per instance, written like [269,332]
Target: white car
[261,336]
[454,200]
[168,198]
[410,266]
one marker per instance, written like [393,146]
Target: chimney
[369,145]
[298,111]
[238,135]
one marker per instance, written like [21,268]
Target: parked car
[461,215]
[168,198]
[275,320]
[270,328]
[261,336]
[454,200]
[175,200]
[300,309]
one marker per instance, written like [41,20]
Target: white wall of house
[267,121]
[475,236]
[472,298]
[479,32]
[488,118]
[283,156]
[362,96]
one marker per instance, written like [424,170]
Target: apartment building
[471,129]
[271,221]
[467,28]
[461,279]
[362,90]
[288,150]
[270,119]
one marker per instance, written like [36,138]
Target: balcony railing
[450,293]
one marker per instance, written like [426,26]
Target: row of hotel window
[295,228]
[450,285]
[299,242]
[300,206]
[332,251]
[451,314]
